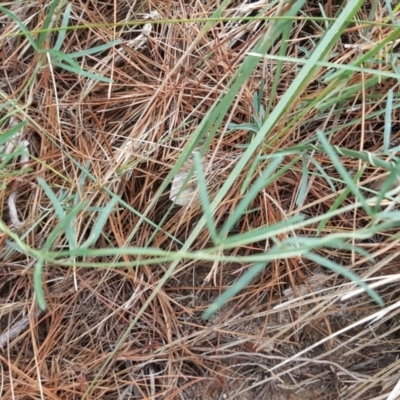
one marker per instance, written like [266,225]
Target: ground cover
[194,196]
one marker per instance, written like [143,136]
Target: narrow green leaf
[387,185]
[82,178]
[249,197]
[124,203]
[303,184]
[365,57]
[5,159]
[57,56]
[366,156]
[322,172]
[94,50]
[53,198]
[279,66]
[342,171]
[323,13]
[205,203]
[82,72]
[249,175]
[64,225]
[100,222]
[242,127]
[47,22]
[70,230]
[335,66]
[346,273]
[37,285]
[64,24]
[9,134]
[337,203]
[21,25]
[388,121]
[240,284]
[262,233]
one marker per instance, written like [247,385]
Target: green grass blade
[94,50]
[9,134]
[322,172]
[342,67]
[303,184]
[64,24]
[214,117]
[372,159]
[205,203]
[64,225]
[346,273]
[240,284]
[388,120]
[239,127]
[98,226]
[263,233]
[21,25]
[366,57]
[279,66]
[123,203]
[343,172]
[47,22]
[387,185]
[337,203]
[37,285]
[53,198]
[58,56]
[249,197]
[249,175]
[82,72]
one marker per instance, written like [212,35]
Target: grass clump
[199,200]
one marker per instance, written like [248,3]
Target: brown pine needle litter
[156,155]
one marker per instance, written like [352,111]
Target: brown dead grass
[132,132]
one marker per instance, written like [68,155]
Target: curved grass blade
[346,273]
[51,12]
[240,284]
[388,120]
[94,50]
[82,72]
[21,25]
[70,230]
[303,184]
[364,58]
[37,284]
[249,197]
[205,203]
[343,172]
[8,135]
[64,24]
[387,185]
[100,222]
[336,204]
